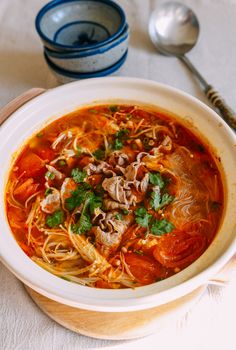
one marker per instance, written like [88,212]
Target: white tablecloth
[211,324]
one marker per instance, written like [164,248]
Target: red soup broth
[114,196]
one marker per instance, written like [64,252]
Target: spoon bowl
[174,29]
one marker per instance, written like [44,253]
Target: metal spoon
[174,30]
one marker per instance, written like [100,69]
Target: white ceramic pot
[67,98]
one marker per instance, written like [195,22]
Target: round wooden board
[119,325]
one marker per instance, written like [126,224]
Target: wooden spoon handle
[19,101]
[218,102]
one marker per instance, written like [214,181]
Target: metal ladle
[174,30]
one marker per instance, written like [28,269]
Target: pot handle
[19,101]
[222,278]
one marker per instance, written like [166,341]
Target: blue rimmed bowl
[64,76]
[91,60]
[74,25]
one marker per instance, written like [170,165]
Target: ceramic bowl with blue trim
[91,60]
[63,76]
[74,25]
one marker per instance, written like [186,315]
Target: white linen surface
[211,324]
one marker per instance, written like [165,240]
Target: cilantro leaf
[157,201]
[83,195]
[141,211]
[122,133]
[78,196]
[75,200]
[78,151]
[160,227]
[142,217]
[95,202]
[143,221]
[62,162]
[55,219]
[84,224]
[156,179]
[121,136]
[47,191]
[118,144]
[125,211]
[78,175]
[166,199]
[49,175]
[118,216]
[113,108]
[99,154]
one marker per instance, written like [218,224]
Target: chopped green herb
[156,179]
[99,190]
[78,175]
[128,116]
[47,191]
[118,144]
[125,211]
[140,211]
[84,224]
[160,227]
[99,154]
[146,145]
[113,108]
[166,199]
[62,162]
[78,151]
[55,219]
[142,217]
[77,197]
[83,194]
[40,134]
[121,136]
[95,202]
[139,252]
[157,201]
[50,175]
[118,216]
[122,133]
[91,201]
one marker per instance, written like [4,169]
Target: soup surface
[114,197]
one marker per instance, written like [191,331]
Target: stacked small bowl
[83,38]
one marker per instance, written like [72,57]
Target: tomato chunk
[178,249]
[144,268]
[31,165]
[25,190]
[84,161]
[45,153]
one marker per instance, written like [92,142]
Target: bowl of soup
[117,194]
